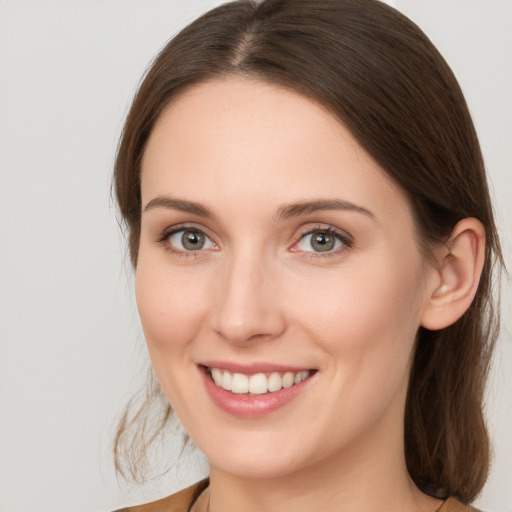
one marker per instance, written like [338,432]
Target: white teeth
[288,379]
[275,383]
[256,384]
[217,376]
[240,383]
[226,381]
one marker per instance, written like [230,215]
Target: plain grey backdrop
[71,348]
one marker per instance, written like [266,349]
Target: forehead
[244,141]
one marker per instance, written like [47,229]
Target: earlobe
[456,276]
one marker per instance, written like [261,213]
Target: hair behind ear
[444,422]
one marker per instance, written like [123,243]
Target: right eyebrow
[180,205]
[287,211]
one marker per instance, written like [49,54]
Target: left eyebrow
[287,211]
[180,205]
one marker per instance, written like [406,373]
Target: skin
[258,292]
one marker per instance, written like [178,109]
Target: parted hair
[380,75]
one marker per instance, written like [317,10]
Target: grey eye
[190,240]
[320,241]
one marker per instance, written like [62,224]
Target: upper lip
[252,368]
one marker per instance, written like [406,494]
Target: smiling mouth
[258,383]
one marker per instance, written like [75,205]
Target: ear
[454,280]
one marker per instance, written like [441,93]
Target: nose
[247,305]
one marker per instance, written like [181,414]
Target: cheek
[367,316]
[171,306]
[367,324]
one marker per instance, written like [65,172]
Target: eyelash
[342,237]
[169,232]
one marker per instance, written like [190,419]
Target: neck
[374,480]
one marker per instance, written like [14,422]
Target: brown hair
[386,82]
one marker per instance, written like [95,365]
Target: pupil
[192,240]
[323,242]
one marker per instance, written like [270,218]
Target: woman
[313,241]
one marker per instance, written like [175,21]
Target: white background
[71,349]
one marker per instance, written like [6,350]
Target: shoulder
[454,505]
[179,502]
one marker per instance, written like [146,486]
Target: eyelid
[169,231]
[176,228]
[345,238]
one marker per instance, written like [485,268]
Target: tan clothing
[453,505]
[182,502]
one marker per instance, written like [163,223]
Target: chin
[246,468]
[264,462]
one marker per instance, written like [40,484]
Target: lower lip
[251,406]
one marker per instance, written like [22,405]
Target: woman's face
[276,254]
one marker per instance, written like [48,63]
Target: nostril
[245,309]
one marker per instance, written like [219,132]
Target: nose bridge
[247,304]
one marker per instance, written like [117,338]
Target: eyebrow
[180,205]
[284,212]
[296,209]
